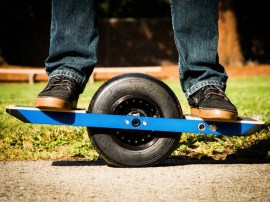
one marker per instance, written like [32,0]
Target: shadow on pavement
[79,163]
[175,161]
[172,161]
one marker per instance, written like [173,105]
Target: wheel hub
[135,105]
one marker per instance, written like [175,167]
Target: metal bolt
[213,127]
[201,126]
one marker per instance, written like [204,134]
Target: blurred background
[135,33]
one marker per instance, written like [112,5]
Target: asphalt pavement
[174,180]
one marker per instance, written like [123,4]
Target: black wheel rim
[135,105]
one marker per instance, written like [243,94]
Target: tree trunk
[230,53]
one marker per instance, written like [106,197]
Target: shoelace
[214,90]
[58,81]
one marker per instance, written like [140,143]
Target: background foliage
[25,25]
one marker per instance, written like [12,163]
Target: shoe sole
[214,114]
[54,103]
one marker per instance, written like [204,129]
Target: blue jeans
[74,41]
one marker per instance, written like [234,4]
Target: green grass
[20,141]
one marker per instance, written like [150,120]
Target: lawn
[19,141]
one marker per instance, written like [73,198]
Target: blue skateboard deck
[188,124]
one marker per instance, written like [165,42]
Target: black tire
[134,94]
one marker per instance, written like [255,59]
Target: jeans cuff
[201,84]
[69,73]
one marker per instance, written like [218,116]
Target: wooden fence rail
[32,75]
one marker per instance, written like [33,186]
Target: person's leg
[195,25]
[72,54]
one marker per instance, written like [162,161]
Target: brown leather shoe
[210,102]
